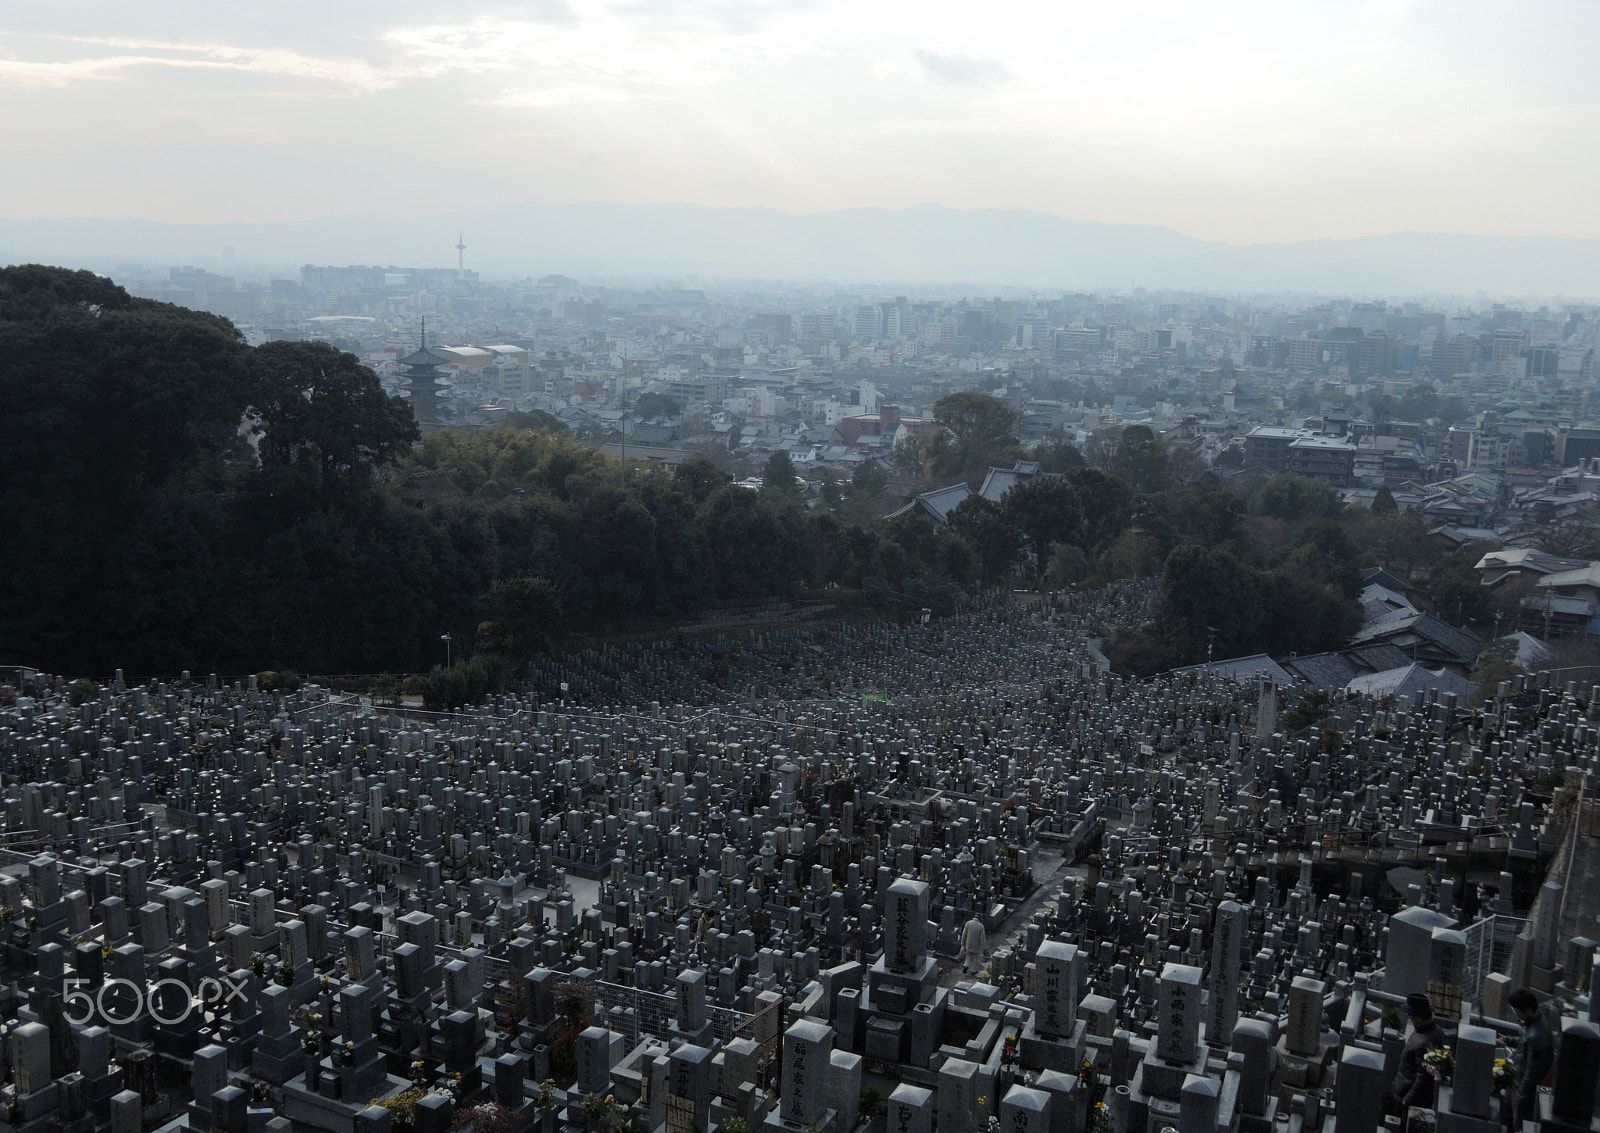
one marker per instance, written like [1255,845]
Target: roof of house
[1461,646]
[938,503]
[1243,668]
[1586,575]
[1386,578]
[999,481]
[1527,558]
[1409,680]
[1375,658]
[1324,670]
[1379,601]
[1556,604]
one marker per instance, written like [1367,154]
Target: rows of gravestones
[257,909]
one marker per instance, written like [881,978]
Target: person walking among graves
[1413,1085]
[1535,1054]
[974,942]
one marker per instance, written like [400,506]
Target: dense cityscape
[1418,391]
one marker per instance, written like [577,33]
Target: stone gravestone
[1472,1085]
[1222,1008]
[1178,1028]
[1577,1066]
[688,1088]
[909,1109]
[1359,1090]
[807,1050]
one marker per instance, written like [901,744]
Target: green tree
[1141,460]
[1457,592]
[520,617]
[867,485]
[699,477]
[1294,499]
[1058,456]
[907,456]
[654,404]
[325,416]
[1383,503]
[1105,505]
[975,432]
[778,480]
[753,551]
[535,419]
[1046,510]
[995,541]
[1201,513]
[1068,566]
[1205,591]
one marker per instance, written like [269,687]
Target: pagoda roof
[426,356]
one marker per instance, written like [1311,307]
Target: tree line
[176,499]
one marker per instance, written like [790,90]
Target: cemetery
[732,884]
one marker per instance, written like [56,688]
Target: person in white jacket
[974,943]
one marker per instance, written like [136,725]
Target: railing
[653,1012]
[1489,944]
[769,1018]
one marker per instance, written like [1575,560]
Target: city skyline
[1242,124]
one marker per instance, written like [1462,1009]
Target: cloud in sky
[1239,120]
[960,68]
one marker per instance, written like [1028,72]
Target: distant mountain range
[926,244]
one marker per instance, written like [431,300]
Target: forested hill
[144,531]
[171,498]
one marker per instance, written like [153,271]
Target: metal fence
[1489,944]
[653,1012]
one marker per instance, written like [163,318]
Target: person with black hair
[1535,1054]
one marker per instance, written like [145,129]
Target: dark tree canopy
[1047,511]
[654,404]
[324,417]
[1295,499]
[975,432]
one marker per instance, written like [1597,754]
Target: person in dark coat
[1535,1054]
[1413,1085]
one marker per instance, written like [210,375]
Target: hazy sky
[1239,121]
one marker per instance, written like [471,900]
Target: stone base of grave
[1550,1123]
[703,1035]
[306,1106]
[898,992]
[886,1039]
[775,1123]
[1302,1072]
[1448,1122]
[1262,1122]
[36,1109]
[357,1082]
[1158,1078]
[276,1061]
[1040,1052]
[304,989]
